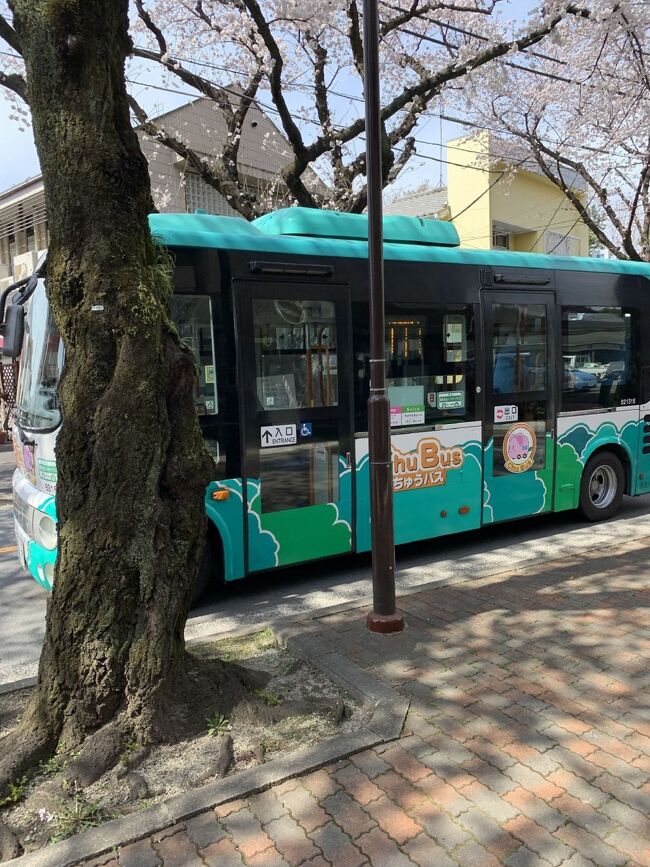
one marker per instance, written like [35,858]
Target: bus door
[295,361]
[519,405]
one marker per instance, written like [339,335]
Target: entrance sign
[278,435]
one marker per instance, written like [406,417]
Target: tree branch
[198,82]
[9,35]
[151,26]
[242,201]
[16,83]
[540,149]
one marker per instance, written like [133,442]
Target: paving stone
[635,847]
[448,832]
[348,814]
[337,846]
[474,855]
[139,854]
[490,753]
[531,780]
[178,851]
[268,858]
[626,816]
[624,792]
[359,786]
[538,839]
[224,810]
[578,787]
[204,829]
[290,840]
[381,851]
[221,854]
[578,860]
[494,805]
[534,808]
[247,833]
[444,795]
[267,807]
[423,851]
[489,833]
[583,814]
[490,776]
[305,809]
[393,820]
[619,768]
[320,783]
[524,857]
[616,747]
[370,764]
[405,764]
[590,846]
[399,790]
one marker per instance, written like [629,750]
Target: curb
[386,724]
[15,685]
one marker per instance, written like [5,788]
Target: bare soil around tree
[289,704]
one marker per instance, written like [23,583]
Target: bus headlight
[45,531]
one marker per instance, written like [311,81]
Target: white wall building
[263,153]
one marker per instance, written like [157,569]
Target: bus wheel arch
[605,479]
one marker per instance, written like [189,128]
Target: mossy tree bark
[132,464]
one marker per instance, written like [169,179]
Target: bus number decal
[425,466]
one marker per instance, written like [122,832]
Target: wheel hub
[602,486]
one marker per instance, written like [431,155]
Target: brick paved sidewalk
[527,742]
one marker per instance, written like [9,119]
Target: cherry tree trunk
[132,465]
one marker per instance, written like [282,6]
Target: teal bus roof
[294,232]
[312,223]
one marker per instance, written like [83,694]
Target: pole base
[385,623]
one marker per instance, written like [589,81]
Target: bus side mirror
[14,328]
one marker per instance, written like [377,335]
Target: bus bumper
[30,507]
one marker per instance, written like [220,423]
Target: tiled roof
[424,203]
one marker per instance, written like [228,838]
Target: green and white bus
[519,385]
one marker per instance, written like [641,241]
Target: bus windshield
[41,362]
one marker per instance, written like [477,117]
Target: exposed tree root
[205,687]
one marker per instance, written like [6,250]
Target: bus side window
[430,364]
[192,315]
[295,353]
[598,361]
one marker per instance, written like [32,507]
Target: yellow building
[498,198]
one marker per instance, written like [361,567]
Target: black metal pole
[383,617]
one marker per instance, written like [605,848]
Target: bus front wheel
[602,486]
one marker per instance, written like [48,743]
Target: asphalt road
[310,587]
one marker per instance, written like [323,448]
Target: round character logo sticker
[519,447]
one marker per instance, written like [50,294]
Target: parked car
[584,380]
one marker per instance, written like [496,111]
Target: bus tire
[602,486]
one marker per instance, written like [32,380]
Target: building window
[500,240]
[200,196]
[558,244]
[30,240]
